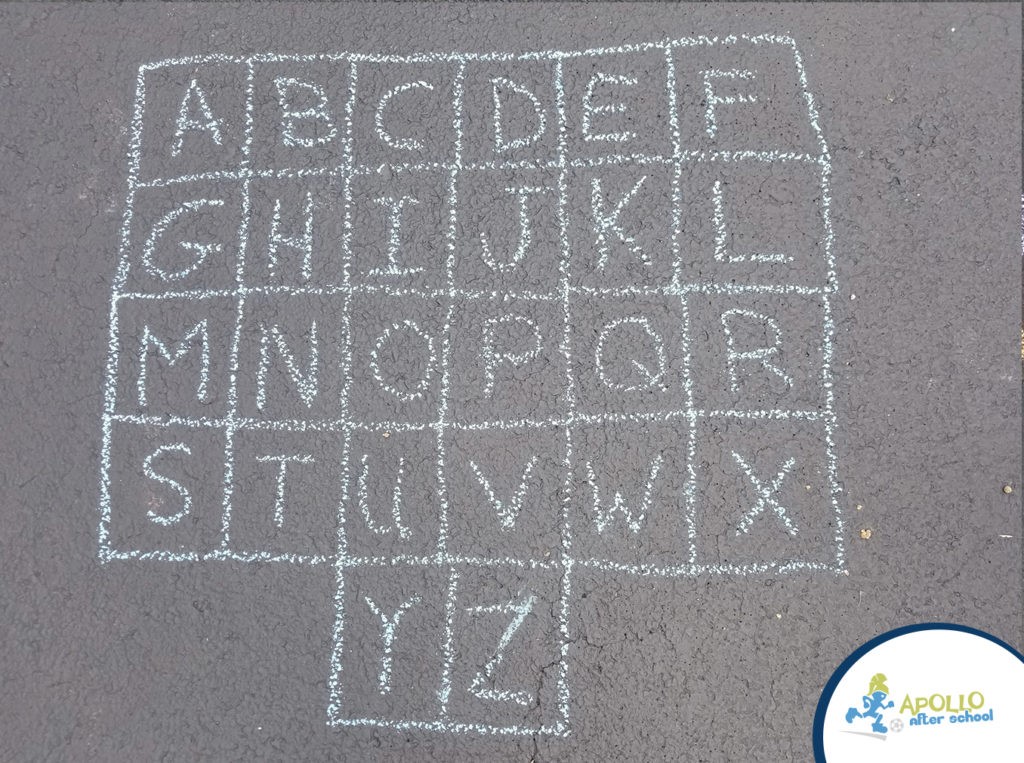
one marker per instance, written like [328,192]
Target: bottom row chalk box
[744,490]
[464,644]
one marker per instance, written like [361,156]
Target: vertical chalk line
[565,530]
[231,424]
[448,646]
[828,324]
[444,691]
[113,338]
[341,561]
[689,486]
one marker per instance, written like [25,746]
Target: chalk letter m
[180,350]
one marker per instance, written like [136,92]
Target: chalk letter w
[605,516]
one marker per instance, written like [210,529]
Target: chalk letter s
[177,487]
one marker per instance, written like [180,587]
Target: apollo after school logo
[877,715]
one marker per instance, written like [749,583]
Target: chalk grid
[571,421]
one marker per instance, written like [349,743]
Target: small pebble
[859,507]
[386,435]
[778,616]
[1007,489]
[865,534]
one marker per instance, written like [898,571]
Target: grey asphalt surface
[141,659]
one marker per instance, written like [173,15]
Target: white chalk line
[452,727]
[701,570]
[220,555]
[687,156]
[666,290]
[342,425]
[334,690]
[113,338]
[565,529]
[243,239]
[828,324]
[448,647]
[464,57]
[446,332]
[450,560]
[682,570]
[451,242]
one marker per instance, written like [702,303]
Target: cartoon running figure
[873,704]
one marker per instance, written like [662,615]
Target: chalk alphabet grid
[299,291]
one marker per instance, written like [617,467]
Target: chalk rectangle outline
[106,553]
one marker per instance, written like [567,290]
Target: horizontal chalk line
[445,561]
[452,727]
[767,156]
[463,57]
[342,425]
[667,290]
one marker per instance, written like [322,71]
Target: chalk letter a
[189,121]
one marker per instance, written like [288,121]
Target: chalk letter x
[765,495]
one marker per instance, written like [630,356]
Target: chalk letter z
[479,686]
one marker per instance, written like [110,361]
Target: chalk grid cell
[632,388]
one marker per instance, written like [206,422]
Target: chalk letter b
[290,90]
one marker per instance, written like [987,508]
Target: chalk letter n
[306,381]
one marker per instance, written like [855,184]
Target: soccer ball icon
[895,725]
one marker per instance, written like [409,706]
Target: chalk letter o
[421,386]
